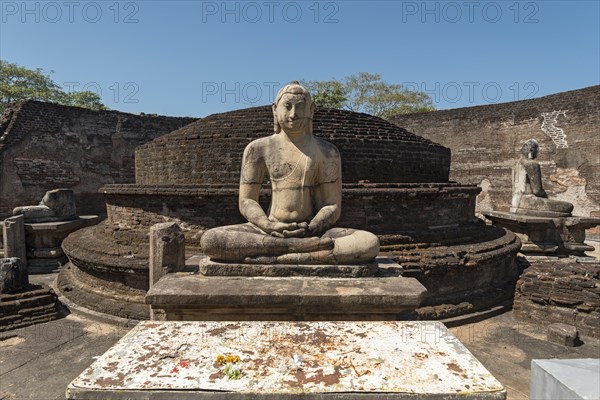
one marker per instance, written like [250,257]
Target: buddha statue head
[530,149]
[293,109]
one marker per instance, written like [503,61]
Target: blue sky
[200,57]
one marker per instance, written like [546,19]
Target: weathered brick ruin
[395,185]
[485,142]
[32,305]
[560,291]
[45,146]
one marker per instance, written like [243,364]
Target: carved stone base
[44,239]
[194,297]
[543,235]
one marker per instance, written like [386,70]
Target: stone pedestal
[543,235]
[287,360]
[264,292]
[44,239]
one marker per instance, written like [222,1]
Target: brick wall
[210,150]
[485,141]
[46,146]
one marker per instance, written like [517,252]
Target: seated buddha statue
[306,181]
[529,196]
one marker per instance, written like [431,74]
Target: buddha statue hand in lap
[529,196]
[306,181]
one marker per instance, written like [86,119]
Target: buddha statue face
[293,110]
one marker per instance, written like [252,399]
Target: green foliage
[330,94]
[83,99]
[232,372]
[368,93]
[20,83]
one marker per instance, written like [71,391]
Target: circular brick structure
[395,185]
[209,151]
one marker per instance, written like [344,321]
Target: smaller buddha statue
[529,196]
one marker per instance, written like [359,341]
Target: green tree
[330,94]
[366,92]
[20,83]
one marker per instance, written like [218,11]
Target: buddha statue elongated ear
[276,126]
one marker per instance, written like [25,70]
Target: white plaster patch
[555,133]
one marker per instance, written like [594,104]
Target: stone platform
[287,360]
[544,235]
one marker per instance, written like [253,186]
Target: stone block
[13,275]
[563,334]
[13,230]
[167,250]
[565,379]
[287,360]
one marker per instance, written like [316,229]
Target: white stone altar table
[287,360]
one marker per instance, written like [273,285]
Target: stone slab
[213,268]
[565,379]
[186,296]
[287,360]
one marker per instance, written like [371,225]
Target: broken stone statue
[56,205]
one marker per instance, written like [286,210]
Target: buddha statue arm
[328,199]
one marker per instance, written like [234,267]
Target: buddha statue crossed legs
[306,182]
[529,196]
